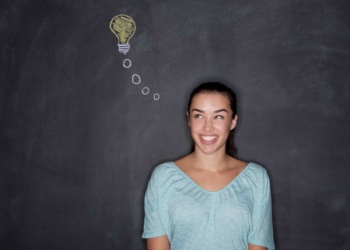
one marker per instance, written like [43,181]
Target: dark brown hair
[216,87]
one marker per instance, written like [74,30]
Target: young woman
[209,200]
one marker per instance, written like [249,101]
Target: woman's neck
[210,162]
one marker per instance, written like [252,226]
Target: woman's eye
[197,116]
[219,117]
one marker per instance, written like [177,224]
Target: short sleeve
[262,229]
[153,226]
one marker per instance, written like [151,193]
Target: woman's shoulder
[165,166]
[166,174]
[255,170]
[256,167]
[165,170]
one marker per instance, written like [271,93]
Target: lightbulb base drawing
[124,48]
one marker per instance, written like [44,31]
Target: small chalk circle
[136,79]
[145,91]
[156,97]
[127,63]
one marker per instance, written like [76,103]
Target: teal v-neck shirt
[196,219]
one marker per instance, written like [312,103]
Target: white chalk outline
[156,96]
[124,48]
[127,60]
[144,92]
[132,79]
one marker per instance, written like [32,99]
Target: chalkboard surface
[82,128]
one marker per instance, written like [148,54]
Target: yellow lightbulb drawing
[124,28]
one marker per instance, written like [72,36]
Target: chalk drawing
[136,79]
[145,91]
[127,63]
[156,97]
[124,28]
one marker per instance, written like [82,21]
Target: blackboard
[79,139]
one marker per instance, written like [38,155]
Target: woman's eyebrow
[216,111]
[221,110]
[198,110]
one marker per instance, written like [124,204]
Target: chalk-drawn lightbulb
[124,28]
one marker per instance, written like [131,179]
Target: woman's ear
[188,119]
[234,122]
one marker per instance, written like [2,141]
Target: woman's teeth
[208,138]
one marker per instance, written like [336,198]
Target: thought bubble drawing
[156,97]
[145,91]
[127,63]
[136,79]
[124,28]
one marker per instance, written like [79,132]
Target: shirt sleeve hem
[270,246]
[152,235]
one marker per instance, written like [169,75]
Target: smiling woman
[209,199]
[211,121]
[224,99]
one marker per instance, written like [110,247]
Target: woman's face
[210,120]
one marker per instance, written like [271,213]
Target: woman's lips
[208,139]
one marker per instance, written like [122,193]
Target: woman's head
[216,91]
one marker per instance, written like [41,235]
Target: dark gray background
[79,140]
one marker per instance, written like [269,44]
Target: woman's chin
[209,149]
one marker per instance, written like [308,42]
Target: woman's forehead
[210,100]
[211,97]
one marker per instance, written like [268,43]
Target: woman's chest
[198,207]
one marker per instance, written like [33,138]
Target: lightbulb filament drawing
[123,27]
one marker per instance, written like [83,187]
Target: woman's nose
[208,126]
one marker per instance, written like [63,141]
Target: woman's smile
[208,139]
